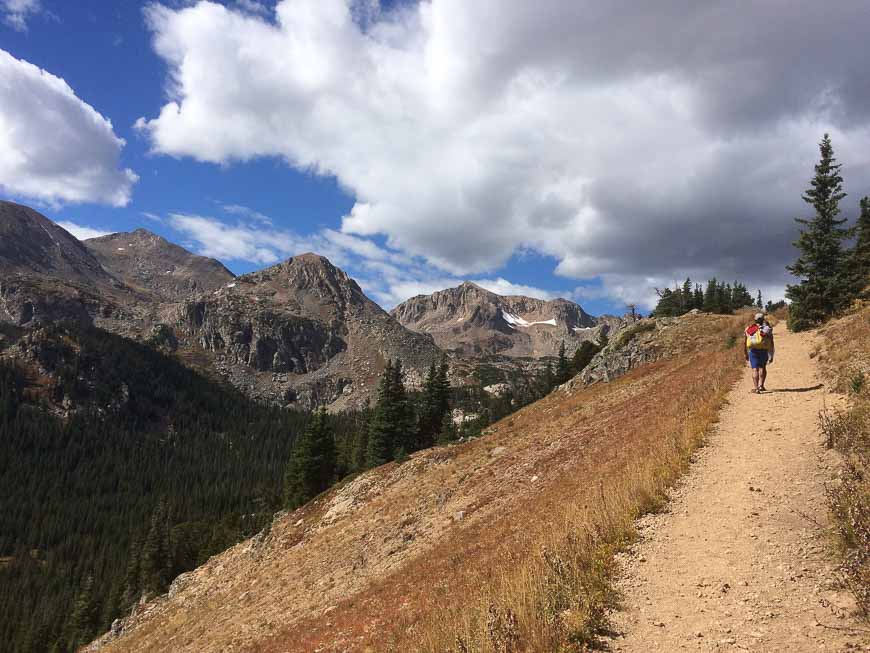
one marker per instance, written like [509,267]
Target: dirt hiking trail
[741,559]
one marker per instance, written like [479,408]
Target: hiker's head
[759,318]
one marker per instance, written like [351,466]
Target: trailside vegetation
[829,274]
[844,358]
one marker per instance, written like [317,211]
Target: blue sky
[421,144]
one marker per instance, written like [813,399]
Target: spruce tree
[402,414]
[686,297]
[699,297]
[711,297]
[154,558]
[434,403]
[311,467]
[859,255]
[132,582]
[823,288]
[83,620]
[759,304]
[391,429]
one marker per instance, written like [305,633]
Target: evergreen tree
[759,304]
[698,298]
[448,429]
[311,467]
[83,620]
[711,296]
[823,288]
[379,447]
[132,581]
[391,427]
[434,403]
[154,557]
[859,255]
[563,367]
[686,296]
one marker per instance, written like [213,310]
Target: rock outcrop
[302,333]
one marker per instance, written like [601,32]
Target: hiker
[758,347]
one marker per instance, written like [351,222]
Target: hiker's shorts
[758,358]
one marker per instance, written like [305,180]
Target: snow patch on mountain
[516,321]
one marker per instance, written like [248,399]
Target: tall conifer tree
[859,255]
[823,288]
[311,467]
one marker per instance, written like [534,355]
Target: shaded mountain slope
[30,243]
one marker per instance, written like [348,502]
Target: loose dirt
[742,559]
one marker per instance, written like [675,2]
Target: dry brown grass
[541,579]
[845,358]
[559,596]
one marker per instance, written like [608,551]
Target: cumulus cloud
[16,12]
[56,148]
[633,142]
[82,232]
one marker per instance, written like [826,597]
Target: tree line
[715,297]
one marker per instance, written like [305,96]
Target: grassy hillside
[504,541]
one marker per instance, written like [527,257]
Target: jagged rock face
[472,321]
[30,243]
[144,259]
[301,332]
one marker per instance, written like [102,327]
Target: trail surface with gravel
[742,558]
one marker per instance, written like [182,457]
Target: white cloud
[82,232]
[238,209]
[56,148]
[16,12]
[240,242]
[636,150]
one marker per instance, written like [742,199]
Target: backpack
[756,337]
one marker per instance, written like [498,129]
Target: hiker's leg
[763,371]
[755,375]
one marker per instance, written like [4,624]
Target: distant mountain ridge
[473,321]
[299,333]
[142,258]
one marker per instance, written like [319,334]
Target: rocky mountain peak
[472,320]
[144,259]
